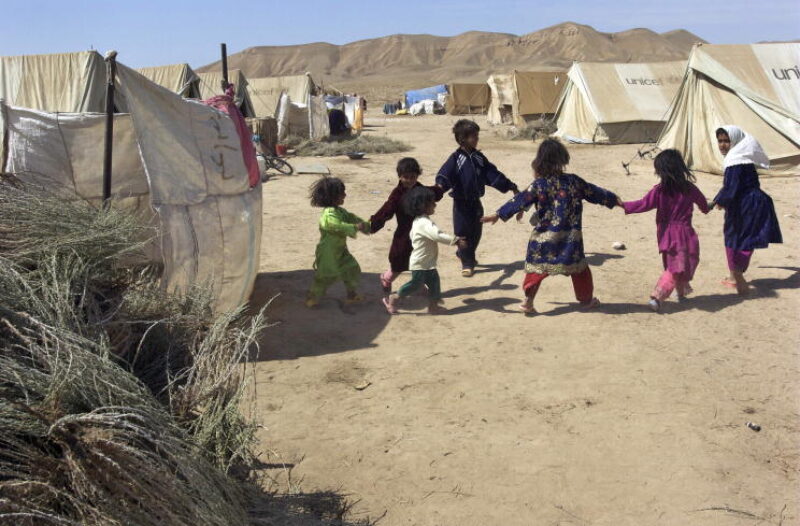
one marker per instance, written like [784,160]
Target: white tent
[756,87]
[176,162]
[617,103]
[303,120]
[502,101]
[211,85]
[179,78]
[71,82]
[265,92]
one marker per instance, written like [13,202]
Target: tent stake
[111,70]
[224,51]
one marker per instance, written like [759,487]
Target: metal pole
[111,70]
[224,50]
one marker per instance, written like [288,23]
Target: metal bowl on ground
[356,155]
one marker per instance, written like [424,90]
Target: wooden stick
[111,70]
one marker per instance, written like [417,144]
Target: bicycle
[275,163]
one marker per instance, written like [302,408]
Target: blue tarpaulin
[431,93]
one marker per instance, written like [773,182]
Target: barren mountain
[383,67]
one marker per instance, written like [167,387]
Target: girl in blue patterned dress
[556,243]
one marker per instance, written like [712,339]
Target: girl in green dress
[333,261]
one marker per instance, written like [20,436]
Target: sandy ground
[617,416]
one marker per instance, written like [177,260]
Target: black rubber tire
[281,166]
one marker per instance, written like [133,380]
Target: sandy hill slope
[383,67]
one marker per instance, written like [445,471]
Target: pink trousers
[669,282]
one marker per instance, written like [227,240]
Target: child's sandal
[526,309]
[389,304]
[594,302]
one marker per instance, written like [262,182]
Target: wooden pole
[111,70]
[224,51]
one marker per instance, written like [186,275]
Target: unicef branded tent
[755,86]
[617,103]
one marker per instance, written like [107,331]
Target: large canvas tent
[501,86]
[179,78]
[176,163]
[69,82]
[211,85]
[265,92]
[617,103]
[464,98]
[756,87]
[536,94]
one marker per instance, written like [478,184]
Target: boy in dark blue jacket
[466,174]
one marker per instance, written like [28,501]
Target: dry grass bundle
[537,130]
[119,404]
[334,146]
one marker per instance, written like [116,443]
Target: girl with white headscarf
[750,219]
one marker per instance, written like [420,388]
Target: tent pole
[111,70]
[224,50]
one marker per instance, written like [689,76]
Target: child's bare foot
[527,307]
[353,297]
[390,302]
[435,308]
[592,303]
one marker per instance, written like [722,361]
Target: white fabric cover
[755,87]
[166,159]
[425,107]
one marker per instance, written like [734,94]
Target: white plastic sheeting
[175,157]
[304,120]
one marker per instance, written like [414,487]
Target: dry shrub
[119,404]
[536,130]
[334,146]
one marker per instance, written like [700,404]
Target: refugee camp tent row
[176,163]
[69,82]
[756,87]
[617,103]
[465,98]
[178,78]
[211,85]
[265,93]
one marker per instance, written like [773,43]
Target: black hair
[417,200]
[326,192]
[408,165]
[551,158]
[675,175]
[722,131]
[463,128]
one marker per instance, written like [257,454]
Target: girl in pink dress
[673,198]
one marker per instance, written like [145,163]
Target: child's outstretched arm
[700,200]
[432,232]
[343,223]
[497,179]
[597,195]
[645,204]
[385,212]
[515,206]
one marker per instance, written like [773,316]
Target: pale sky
[150,33]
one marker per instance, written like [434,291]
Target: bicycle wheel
[282,166]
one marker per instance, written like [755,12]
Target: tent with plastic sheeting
[309,120]
[617,103]
[70,82]
[755,87]
[464,98]
[177,163]
[265,93]
[431,93]
[501,105]
[179,78]
[536,94]
[211,85]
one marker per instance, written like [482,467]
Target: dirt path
[613,417]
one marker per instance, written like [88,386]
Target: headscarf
[744,149]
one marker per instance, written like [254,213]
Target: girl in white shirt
[420,203]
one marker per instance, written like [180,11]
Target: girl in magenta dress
[674,199]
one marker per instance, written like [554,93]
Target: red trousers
[581,282]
